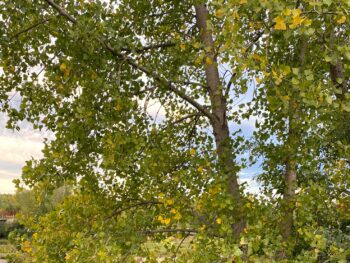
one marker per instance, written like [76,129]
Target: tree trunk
[290,179]
[293,142]
[337,71]
[218,107]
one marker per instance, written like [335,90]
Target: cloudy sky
[15,148]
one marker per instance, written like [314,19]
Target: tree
[87,71]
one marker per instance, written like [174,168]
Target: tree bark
[337,71]
[219,121]
[293,141]
[290,179]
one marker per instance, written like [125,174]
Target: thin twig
[175,230]
[144,203]
[178,247]
[149,47]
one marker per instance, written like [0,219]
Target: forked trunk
[218,107]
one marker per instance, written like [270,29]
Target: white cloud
[252,185]
[16,147]
[18,150]
[6,177]
[6,186]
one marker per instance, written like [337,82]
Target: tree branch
[180,244]
[61,11]
[175,230]
[229,84]
[191,83]
[153,46]
[186,117]
[169,85]
[30,27]
[146,203]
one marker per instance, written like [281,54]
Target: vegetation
[88,70]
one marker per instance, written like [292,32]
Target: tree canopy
[88,71]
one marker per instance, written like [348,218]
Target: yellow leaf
[266,74]
[341,20]
[66,257]
[218,221]
[285,97]
[177,215]
[200,169]
[63,67]
[182,46]
[278,81]
[296,22]
[307,22]
[169,202]
[241,2]
[280,24]
[66,72]
[236,15]
[287,12]
[286,70]
[320,99]
[26,247]
[242,241]
[197,61]
[93,75]
[166,221]
[192,152]
[196,45]
[296,12]
[274,73]
[208,61]
[256,57]
[219,13]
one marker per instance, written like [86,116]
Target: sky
[15,148]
